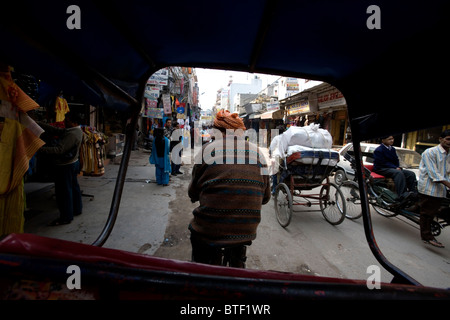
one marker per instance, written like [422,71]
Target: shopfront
[322,104]
[423,139]
[297,113]
[272,118]
[52,105]
[26,106]
[332,114]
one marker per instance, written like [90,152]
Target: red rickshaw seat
[373,174]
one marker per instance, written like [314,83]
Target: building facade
[323,104]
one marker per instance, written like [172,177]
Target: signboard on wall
[154,113]
[152,103]
[292,84]
[166,104]
[273,106]
[160,77]
[300,107]
[151,92]
[330,98]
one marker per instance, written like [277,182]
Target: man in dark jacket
[67,167]
[386,163]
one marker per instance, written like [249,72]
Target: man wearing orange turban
[230,196]
[227,120]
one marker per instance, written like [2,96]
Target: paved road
[310,245]
[153,220]
[342,251]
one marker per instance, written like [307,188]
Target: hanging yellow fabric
[12,206]
[19,141]
[92,152]
[61,108]
[11,92]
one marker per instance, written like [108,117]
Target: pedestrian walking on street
[433,185]
[160,157]
[65,152]
[230,194]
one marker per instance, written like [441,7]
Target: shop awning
[273,114]
[255,116]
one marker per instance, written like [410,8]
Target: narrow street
[153,220]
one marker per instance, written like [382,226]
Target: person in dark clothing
[160,157]
[168,128]
[67,167]
[386,163]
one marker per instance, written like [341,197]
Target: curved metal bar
[120,181]
[399,275]
[117,195]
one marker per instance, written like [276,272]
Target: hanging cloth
[61,108]
[11,92]
[92,152]
[19,142]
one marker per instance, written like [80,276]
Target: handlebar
[348,156]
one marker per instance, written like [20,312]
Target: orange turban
[227,120]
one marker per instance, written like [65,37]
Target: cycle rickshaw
[304,171]
[384,200]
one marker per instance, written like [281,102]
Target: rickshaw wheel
[384,212]
[332,204]
[435,228]
[283,204]
[350,190]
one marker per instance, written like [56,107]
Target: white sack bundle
[309,136]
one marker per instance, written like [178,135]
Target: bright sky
[209,81]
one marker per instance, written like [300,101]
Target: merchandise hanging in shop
[92,152]
[20,141]
[61,108]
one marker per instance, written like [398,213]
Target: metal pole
[399,275]
[117,195]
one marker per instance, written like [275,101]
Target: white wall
[254,87]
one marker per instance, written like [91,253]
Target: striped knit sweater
[230,195]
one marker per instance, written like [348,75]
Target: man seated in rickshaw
[387,164]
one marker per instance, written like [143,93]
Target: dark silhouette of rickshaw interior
[383,73]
